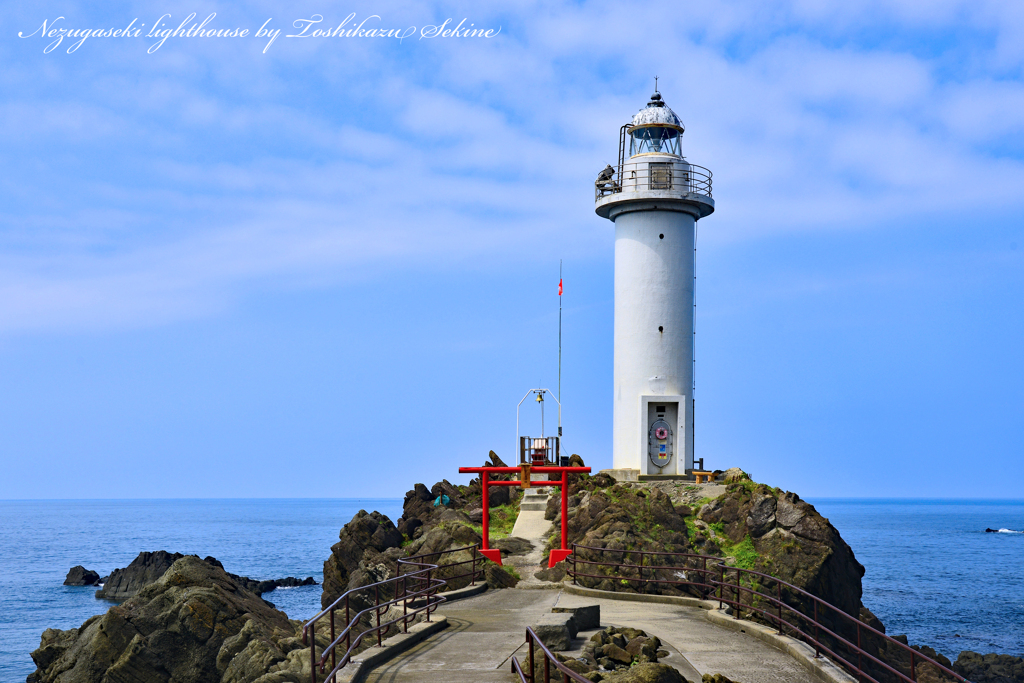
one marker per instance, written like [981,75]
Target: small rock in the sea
[80,576]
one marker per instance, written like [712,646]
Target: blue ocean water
[932,571]
[261,539]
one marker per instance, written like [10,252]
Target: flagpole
[559,343]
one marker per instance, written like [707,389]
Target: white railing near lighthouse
[672,178]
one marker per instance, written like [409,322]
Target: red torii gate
[524,482]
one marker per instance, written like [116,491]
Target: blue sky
[330,268]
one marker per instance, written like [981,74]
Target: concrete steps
[535,499]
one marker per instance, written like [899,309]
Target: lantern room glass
[654,140]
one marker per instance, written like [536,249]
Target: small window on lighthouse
[654,140]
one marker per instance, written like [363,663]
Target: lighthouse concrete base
[622,474]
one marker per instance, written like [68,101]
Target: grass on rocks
[503,518]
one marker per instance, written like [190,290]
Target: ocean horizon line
[812,498]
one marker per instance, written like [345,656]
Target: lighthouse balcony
[659,177]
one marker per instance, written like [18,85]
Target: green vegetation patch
[744,552]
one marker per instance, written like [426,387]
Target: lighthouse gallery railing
[679,177]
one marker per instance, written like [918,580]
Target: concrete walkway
[531,525]
[486,630]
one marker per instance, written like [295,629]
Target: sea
[932,572]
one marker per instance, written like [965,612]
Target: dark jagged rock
[148,567]
[194,623]
[629,655]
[620,518]
[143,570]
[513,545]
[498,495]
[367,533]
[587,616]
[992,668]
[553,574]
[499,577]
[80,576]
[645,673]
[792,541]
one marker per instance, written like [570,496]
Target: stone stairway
[531,525]
[535,499]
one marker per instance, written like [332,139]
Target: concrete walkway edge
[821,668]
[640,597]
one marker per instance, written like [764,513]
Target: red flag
[559,287]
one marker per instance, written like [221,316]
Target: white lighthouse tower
[654,197]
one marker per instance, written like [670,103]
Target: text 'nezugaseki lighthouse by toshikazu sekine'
[655,198]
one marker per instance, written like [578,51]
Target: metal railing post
[428,594]
[574,570]
[721,584]
[405,605]
[312,652]
[640,570]
[860,659]
[736,614]
[334,661]
[778,596]
[817,649]
[376,595]
[532,669]
[913,667]
[348,622]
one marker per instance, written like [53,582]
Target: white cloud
[175,180]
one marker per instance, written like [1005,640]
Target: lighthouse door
[662,432]
[659,443]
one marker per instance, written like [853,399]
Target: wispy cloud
[146,188]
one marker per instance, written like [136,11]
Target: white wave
[1009,531]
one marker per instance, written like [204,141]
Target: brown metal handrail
[424,586]
[533,641]
[421,561]
[722,587]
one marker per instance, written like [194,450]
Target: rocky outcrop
[150,566]
[734,475]
[788,539]
[614,655]
[143,570]
[80,576]
[420,513]
[623,519]
[360,542]
[194,623]
[621,648]
[991,668]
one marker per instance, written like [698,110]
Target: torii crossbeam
[524,471]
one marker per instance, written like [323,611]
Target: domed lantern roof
[657,113]
[655,130]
